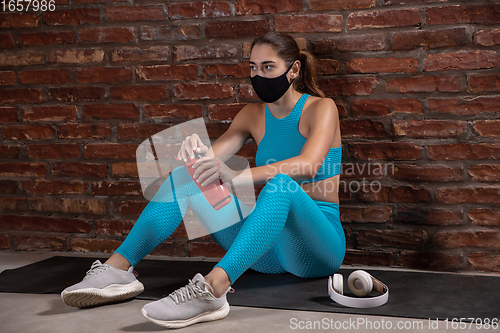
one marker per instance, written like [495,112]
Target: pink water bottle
[216,193]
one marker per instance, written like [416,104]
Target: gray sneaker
[191,304]
[103,284]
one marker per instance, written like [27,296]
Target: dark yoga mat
[412,294]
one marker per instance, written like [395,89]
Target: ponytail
[306,81]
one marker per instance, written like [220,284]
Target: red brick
[362,129]
[206,249]
[55,187]
[76,16]
[246,93]
[483,83]
[116,188]
[76,169]
[428,128]
[308,23]
[416,84]
[139,93]
[215,130]
[83,206]
[212,51]
[47,38]
[188,10]
[381,65]
[94,245]
[486,262]
[487,128]
[33,243]
[114,227]
[107,35]
[327,66]
[485,217]
[167,72]
[129,207]
[364,171]
[382,107]
[138,131]
[368,258]
[4,241]
[22,58]
[125,170]
[83,131]
[349,86]
[340,4]
[375,214]
[411,2]
[465,106]
[53,150]
[461,60]
[159,53]
[385,151]
[356,43]
[21,96]
[384,19]
[409,194]
[28,132]
[7,78]
[12,204]
[76,56]
[170,32]
[489,239]
[169,111]
[427,173]
[19,20]
[103,74]
[110,150]
[428,39]
[111,111]
[485,194]
[431,261]
[8,187]
[257,7]
[7,41]
[370,192]
[240,70]
[8,114]
[461,151]
[224,112]
[440,217]
[50,76]
[50,113]
[171,249]
[135,13]
[10,151]
[74,94]
[392,238]
[484,13]
[487,37]
[197,91]
[485,172]
[236,29]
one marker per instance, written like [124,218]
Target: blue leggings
[286,231]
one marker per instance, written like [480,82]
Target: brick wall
[417,83]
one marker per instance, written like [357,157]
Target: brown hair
[287,49]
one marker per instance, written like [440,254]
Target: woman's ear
[295,69]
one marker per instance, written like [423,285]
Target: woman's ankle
[219,281]
[118,261]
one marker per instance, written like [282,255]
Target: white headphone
[361,284]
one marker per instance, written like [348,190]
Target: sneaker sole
[88,297]
[207,316]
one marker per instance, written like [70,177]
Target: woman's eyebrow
[264,62]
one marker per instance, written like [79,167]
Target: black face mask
[270,90]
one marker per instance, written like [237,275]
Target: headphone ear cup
[338,284]
[360,283]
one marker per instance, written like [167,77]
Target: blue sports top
[282,140]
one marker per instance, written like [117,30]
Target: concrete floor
[24,313]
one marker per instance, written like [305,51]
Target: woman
[294,226]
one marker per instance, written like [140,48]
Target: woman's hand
[189,146]
[209,169]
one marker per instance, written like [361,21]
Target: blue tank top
[282,140]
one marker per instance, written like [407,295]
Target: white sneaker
[102,284]
[191,304]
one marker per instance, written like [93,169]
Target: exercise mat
[412,294]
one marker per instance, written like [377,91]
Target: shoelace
[96,268]
[187,293]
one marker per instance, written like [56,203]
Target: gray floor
[23,313]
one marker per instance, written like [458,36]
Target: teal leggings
[286,231]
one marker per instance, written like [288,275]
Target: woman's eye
[269,67]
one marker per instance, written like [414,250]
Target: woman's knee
[281,182]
